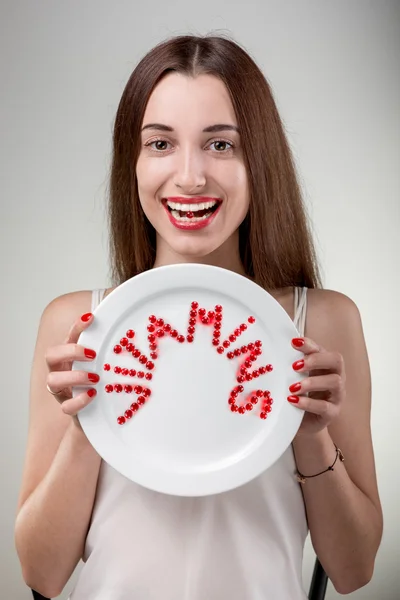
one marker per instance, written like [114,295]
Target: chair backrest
[319,582]
[38,596]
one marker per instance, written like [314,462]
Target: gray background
[333,67]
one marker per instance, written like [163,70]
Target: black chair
[319,582]
[317,591]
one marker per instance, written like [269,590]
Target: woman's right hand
[61,379]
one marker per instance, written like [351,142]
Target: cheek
[232,177]
[150,174]
[241,181]
[236,187]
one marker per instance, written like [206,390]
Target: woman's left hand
[325,385]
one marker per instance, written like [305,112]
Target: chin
[192,248]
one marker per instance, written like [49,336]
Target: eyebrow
[209,129]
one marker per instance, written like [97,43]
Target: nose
[189,175]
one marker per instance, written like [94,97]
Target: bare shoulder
[325,302]
[60,312]
[67,306]
[331,315]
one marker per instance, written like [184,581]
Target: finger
[332,383]
[77,327]
[328,361]
[323,408]
[74,405]
[56,356]
[306,345]
[60,380]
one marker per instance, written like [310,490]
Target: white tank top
[245,544]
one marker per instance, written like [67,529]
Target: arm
[61,469]
[343,506]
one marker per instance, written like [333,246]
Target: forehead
[180,99]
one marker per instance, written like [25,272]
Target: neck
[226,256]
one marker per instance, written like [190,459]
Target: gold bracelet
[302,478]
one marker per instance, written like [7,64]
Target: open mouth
[192,213]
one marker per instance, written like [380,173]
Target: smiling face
[192,182]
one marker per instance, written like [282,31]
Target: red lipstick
[192,225]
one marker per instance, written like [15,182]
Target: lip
[187,226]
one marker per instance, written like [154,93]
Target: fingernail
[94,378]
[296,387]
[298,342]
[293,399]
[92,392]
[299,364]
[90,353]
[86,317]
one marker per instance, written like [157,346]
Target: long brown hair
[274,239]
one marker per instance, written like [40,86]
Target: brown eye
[157,145]
[222,145]
[160,144]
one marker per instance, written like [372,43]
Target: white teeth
[191,207]
[177,216]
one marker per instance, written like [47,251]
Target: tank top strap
[300,309]
[97,297]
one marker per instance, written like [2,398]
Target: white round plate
[185,440]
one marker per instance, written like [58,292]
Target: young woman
[197,131]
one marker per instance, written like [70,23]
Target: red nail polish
[92,392]
[90,353]
[86,317]
[299,364]
[94,378]
[296,387]
[293,399]
[298,342]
